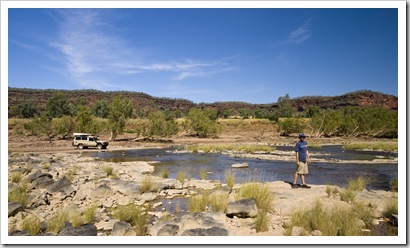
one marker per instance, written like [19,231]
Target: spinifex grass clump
[335,221]
[133,215]
[109,170]
[16,177]
[57,221]
[148,184]
[347,195]
[230,179]
[32,225]
[218,201]
[198,203]
[18,195]
[391,208]
[262,222]
[394,185]
[181,178]
[203,174]
[358,184]
[164,173]
[260,192]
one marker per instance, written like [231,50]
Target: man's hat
[302,135]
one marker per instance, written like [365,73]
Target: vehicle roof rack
[82,134]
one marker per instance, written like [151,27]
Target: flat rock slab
[240,165]
[245,208]
[84,230]
[14,208]
[213,231]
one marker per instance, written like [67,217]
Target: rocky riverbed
[55,183]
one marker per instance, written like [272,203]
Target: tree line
[61,118]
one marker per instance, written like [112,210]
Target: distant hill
[39,97]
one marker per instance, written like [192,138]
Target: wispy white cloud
[300,34]
[92,46]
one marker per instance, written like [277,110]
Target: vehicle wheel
[80,146]
[99,146]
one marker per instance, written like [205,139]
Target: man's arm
[297,158]
[308,157]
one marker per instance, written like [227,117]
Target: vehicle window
[77,138]
[83,138]
[91,139]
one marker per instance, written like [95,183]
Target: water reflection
[259,170]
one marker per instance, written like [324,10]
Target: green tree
[100,109]
[28,110]
[161,125]
[64,126]
[286,126]
[84,119]
[285,108]
[120,110]
[57,106]
[202,122]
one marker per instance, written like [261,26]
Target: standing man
[302,159]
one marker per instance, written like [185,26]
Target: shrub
[75,218]
[261,193]
[262,222]
[133,215]
[202,122]
[32,225]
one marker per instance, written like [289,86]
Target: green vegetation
[16,177]
[58,106]
[109,170]
[230,179]
[394,185]
[89,213]
[260,192]
[331,191]
[181,178]
[18,194]
[375,146]
[202,122]
[198,203]
[262,222]
[164,173]
[120,109]
[332,221]
[148,184]
[358,184]
[161,125]
[203,174]
[218,201]
[391,208]
[32,225]
[57,221]
[133,215]
[347,195]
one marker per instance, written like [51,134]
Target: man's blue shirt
[301,148]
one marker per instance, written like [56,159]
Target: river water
[216,165]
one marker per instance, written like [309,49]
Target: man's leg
[302,177]
[295,177]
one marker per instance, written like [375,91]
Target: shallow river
[260,170]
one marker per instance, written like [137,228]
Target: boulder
[147,197]
[106,225]
[298,231]
[63,185]
[240,165]
[101,191]
[213,231]
[245,208]
[124,187]
[37,175]
[42,182]
[19,233]
[84,230]
[168,230]
[14,208]
[122,228]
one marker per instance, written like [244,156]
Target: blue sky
[206,55]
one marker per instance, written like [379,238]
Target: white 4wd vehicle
[84,140]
